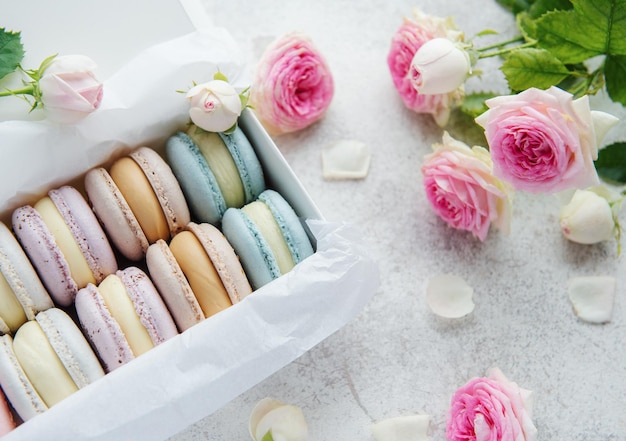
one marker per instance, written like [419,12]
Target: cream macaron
[46,361]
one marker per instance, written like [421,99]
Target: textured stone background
[397,358]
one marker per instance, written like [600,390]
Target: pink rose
[544,140]
[292,86]
[214,106]
[491,409]
[411,35]
[462,190]
[69,89]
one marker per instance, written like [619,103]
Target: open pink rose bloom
[292,86]
[410,37]
[544,140]
[491,409]
[462,190]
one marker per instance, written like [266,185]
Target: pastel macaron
[198,274]
[65,243]
[123,317]
[215,170]
[268,237]
[138,201]
[22,295]
[46,361]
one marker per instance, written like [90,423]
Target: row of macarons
[200,222]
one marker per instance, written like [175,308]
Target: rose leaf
[516,6]
[611,163]
[530,67]
[614,74]
[11,51]
[540,7]
[593,27]
[474,103]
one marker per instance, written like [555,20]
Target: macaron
[65,243]
[138,201]
[198,274]
[268,237]
[46,361]
[215,170]
[123,317]
[22,295]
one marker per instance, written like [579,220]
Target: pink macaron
[65,243]
[123,317]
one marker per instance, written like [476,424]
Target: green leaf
[530,67]
[527,26]
[474,104]
[614,75]
[593,27]
[516,6]
[268,436]
[611,163]
[220,76]
[462,126]
[11,51]
[540,7]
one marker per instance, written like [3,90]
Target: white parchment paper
[197,372]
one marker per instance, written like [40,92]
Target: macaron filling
[143,202]
[200,272]
[11,311]
[79,267]
[121,307]
[41,364]
[221,163]
[260,214]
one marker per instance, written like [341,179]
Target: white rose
[284,422]
[590,216]
[215,105]
[439,66]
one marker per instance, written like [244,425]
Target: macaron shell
[248,165]
[289,224]
[41,248]
[115,215]
[87,231]
[101,329]
[16,385]
[21,276]
[149,306]
[165,186]
[224,259]
[173,286]
[256,256]
[70,346]
[196,179]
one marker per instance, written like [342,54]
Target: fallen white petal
[592,297]
[286,423]
[345,159]
[262,408]
[405,428]
[449,296]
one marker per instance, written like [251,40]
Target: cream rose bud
[589,217]
[69,89]
[283,421]
[439,66]
[215,105]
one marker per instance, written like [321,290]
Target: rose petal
[345,159]
[405,428]
[286,422]
[592,297]
[449,296]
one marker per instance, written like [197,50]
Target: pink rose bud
[215,105]
[591,216]
[414,32]
[462,190]
[439,66]
[491,409]
[292,86]
[544,140]
[69,89]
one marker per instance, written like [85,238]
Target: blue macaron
[268,237]
[207,175]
